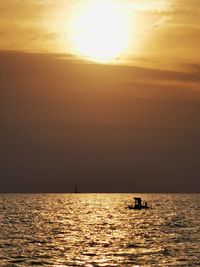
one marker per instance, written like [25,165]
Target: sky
[128,125]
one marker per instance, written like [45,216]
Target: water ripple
[97,230]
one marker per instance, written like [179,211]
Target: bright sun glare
[100,31]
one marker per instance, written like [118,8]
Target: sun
[100,31]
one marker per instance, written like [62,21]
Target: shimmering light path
[98,230]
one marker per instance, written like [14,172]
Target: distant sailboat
[76,189]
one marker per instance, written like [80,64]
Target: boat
[76,189]
[138,205]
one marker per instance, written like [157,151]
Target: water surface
[99,230]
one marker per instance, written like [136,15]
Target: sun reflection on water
[97,230]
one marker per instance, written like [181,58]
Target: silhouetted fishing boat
[138,205]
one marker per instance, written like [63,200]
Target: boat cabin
[138,202]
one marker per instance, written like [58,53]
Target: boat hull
[137,208]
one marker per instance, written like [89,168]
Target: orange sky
[68,119]
[164,33]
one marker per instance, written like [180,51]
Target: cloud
[163,30]
[31,25]
[64,120]
[53,79]
[162,21]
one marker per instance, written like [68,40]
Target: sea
[60,230]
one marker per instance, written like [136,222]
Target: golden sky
[135,116]
[162,32]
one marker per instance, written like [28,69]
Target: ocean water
[99,230]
